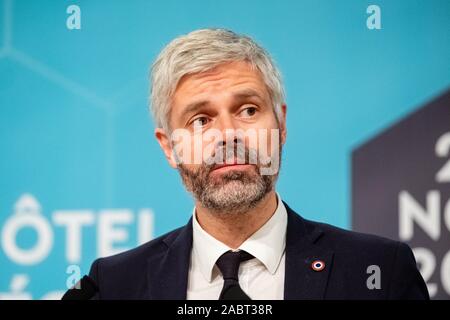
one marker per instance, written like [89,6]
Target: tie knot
[229,262]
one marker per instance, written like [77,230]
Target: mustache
[231,154]
[235,152]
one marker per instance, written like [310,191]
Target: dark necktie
[228,264]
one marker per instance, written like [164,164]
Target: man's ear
[283,126]
[164,143]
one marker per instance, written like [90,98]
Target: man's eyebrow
[194,106]
[241,94]
[248,93]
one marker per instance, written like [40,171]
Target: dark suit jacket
[159,268]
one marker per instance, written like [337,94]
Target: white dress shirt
[260,278]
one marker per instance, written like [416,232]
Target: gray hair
[201,51]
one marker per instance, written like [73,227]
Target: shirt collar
[267,244]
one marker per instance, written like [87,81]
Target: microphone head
[84,289]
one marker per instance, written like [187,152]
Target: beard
[231,192]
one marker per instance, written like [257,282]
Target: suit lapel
[168,271]
[301,280]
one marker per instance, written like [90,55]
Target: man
[218,103]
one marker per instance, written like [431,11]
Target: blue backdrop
[76,137]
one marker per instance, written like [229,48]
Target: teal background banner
[81,175]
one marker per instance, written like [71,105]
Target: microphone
[84,289]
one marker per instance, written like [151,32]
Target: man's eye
[248,112]
[200,122]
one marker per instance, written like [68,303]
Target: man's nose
[227,125]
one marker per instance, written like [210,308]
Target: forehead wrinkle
[201,86]
[225,72]
[217,83]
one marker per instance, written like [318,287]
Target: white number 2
[442,149]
